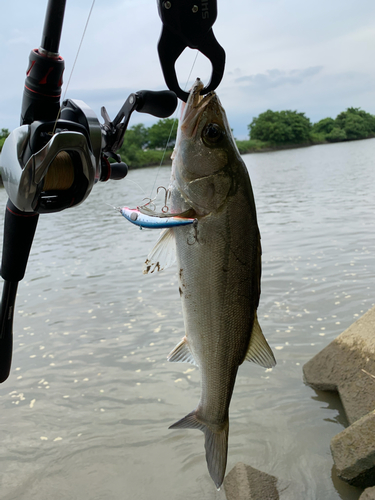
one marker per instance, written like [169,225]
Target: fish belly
[216,285]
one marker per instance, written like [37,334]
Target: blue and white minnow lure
[153,221]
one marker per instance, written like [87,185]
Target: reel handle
[160,104]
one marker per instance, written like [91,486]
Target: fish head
[205,152]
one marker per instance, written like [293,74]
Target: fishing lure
[153,221]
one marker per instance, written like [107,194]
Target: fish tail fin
[216,445]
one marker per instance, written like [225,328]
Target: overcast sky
[314,57]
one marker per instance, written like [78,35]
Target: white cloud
[281,54]
[274,78]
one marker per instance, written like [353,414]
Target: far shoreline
[269,148]
[262,149]
[257,148]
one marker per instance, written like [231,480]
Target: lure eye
[212,133]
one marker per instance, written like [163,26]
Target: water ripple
[86,410]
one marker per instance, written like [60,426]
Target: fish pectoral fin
[182,353]
[163,254]
[216,445]
[259,351]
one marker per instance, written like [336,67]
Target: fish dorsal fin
[163,254]
[182,353]
[259,351]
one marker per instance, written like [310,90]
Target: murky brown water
[86,410]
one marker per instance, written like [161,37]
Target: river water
[86,410]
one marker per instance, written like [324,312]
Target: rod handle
[6,327]
[19,230]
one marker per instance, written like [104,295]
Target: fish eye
[212,133]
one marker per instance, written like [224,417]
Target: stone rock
[246,483]
[347,365]
[353,451]
[368,494]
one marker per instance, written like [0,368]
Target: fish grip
[188,23]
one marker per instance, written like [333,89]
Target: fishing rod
[52,161]
[61,150]
[41,101]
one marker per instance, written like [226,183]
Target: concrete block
[347,365]
[368,494]
[246,483]
[353,451]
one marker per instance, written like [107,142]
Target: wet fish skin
[219,264]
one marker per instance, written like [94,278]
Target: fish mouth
[196,104]
[195,99]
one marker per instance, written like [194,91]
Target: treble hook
[149,203]
[165,208]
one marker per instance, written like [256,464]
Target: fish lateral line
[140,219]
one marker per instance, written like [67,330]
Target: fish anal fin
[259,351]
[189,422]
[163,254]
[216,445]
[182,353]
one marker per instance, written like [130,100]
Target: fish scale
[219,263]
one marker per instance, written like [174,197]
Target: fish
[219,267]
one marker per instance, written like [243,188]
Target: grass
[252,146]
[150,157]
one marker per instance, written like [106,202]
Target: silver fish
[219,267]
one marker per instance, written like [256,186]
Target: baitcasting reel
[52,161]
[49,166]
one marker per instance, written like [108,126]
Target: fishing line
[79,47]
[60,175]
[136,183]
[74,64]
[173,124]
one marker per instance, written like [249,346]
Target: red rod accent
[40,93]
[23,214]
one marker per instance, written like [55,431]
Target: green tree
[162,133]
[355,127]
[356,123]
[135,139]
[3,135]
[336,135]
[324,126]
[133,150]
[137,136]
[281,127]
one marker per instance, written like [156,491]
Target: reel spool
[60,174]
